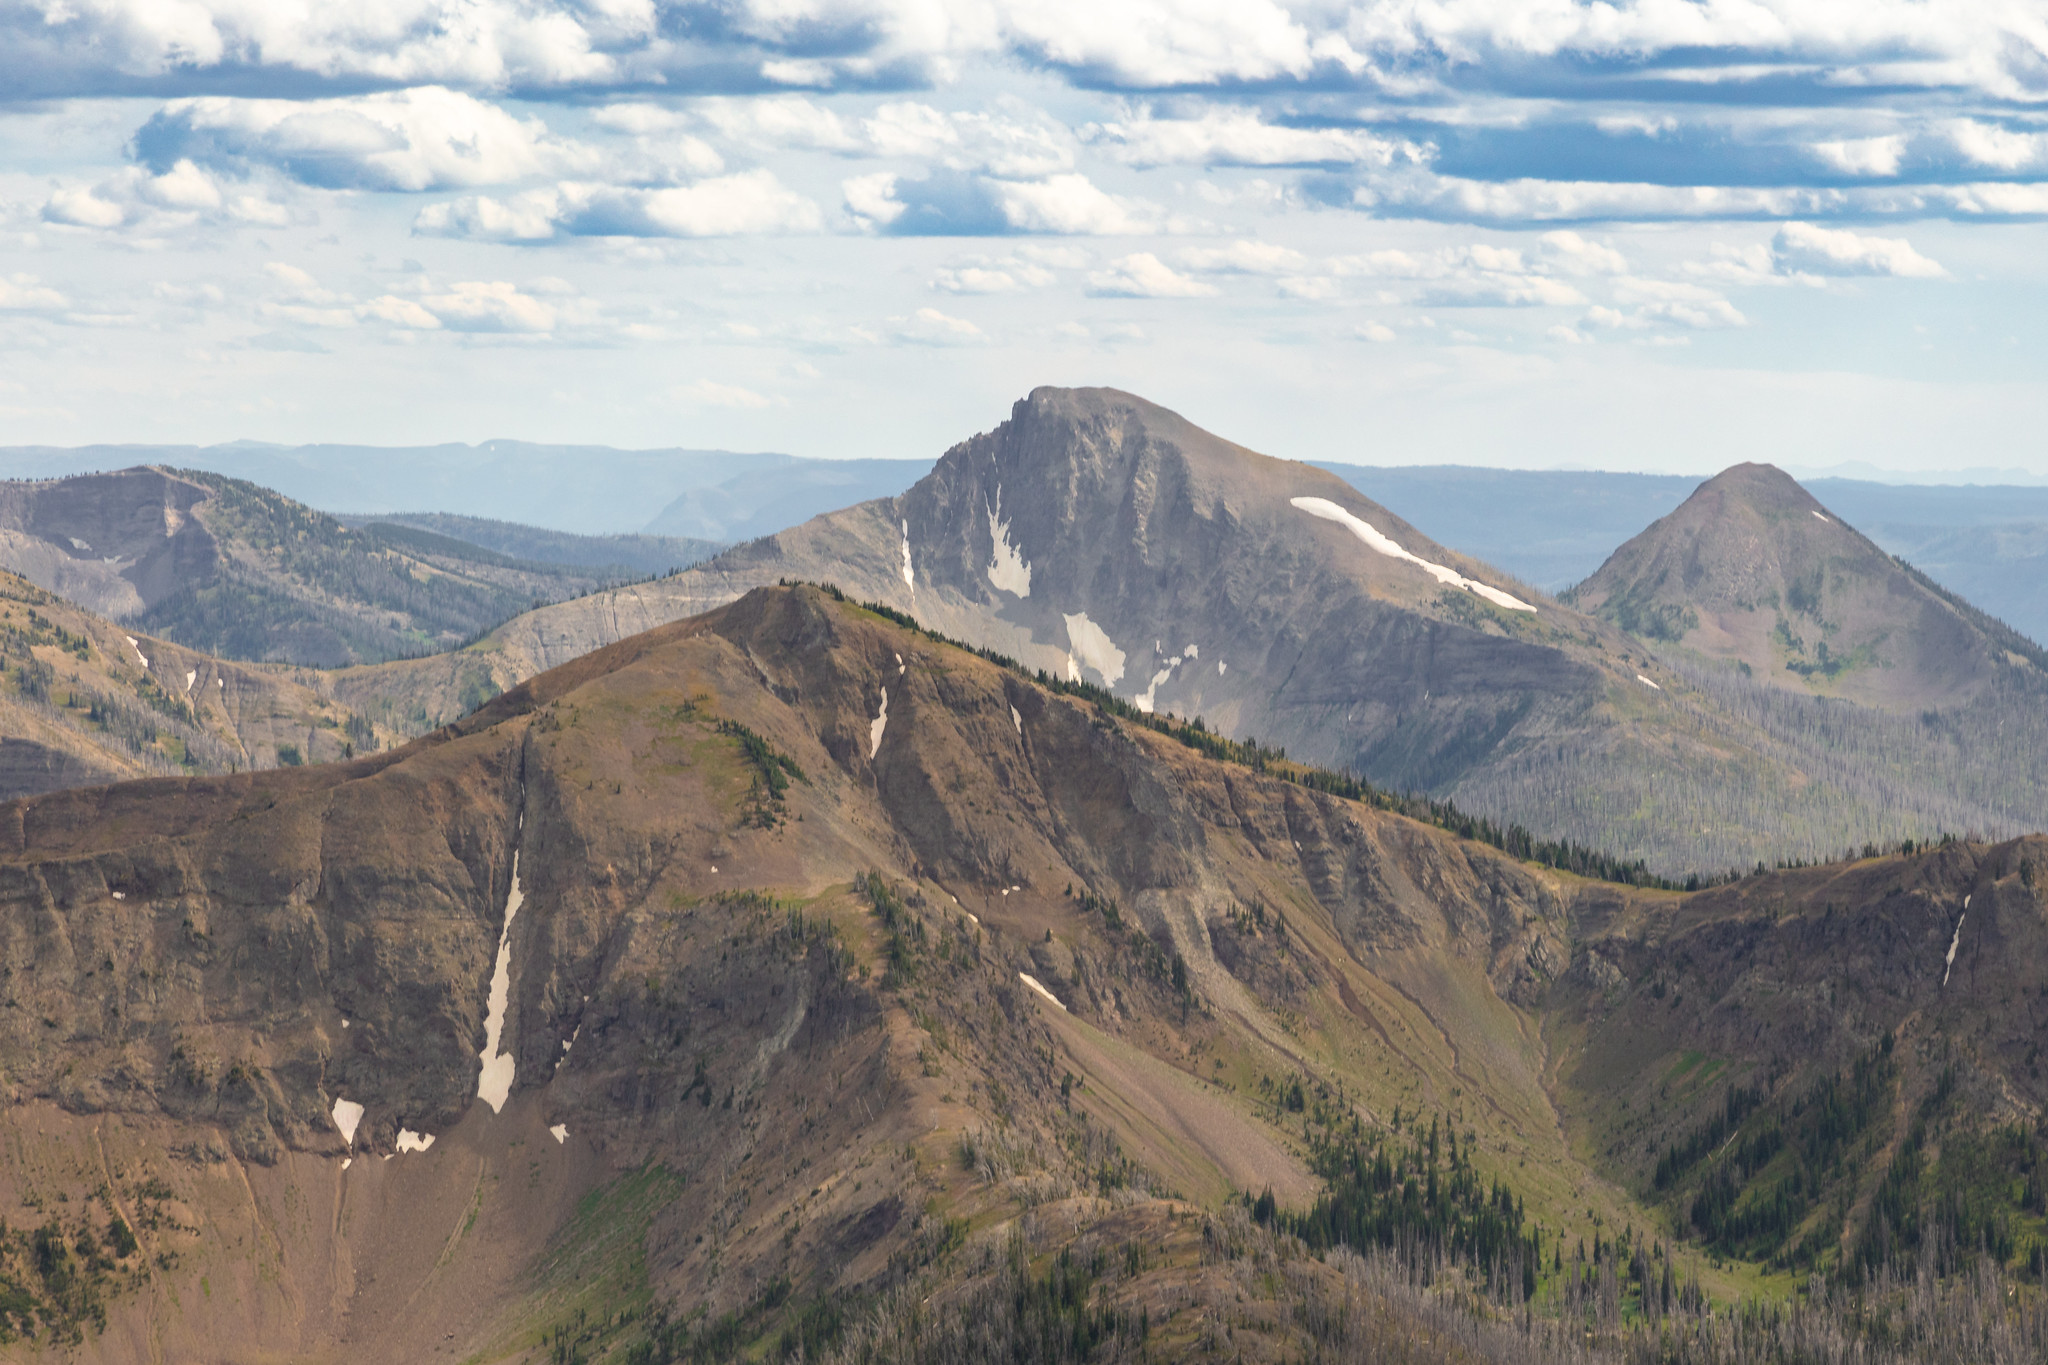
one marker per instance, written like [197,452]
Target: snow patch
[409,1141]
[191,676]
[1147,699]
[909,578]
[1949,964]
[1823,518]
[1088,643]
[347,1114]
[1192,652]
[1007,570]
[901,667]
[347,1162]
[1015,720]
[1330,511]
[1221,668]
[120,895]
[1647,683]
[221,683]
[1033,982]
[495,1084]
[876,726]
[132,644]
[560,1132]
[78,544]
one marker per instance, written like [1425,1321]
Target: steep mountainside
[84,701]
[784,980]
[245,573]
[1098,536]
[1752,569]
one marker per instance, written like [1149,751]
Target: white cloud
[428,138]
[1873,156]
[1376,332]
[1987,144]
[1315,288]
[930,327]
[1239,137]
[1244,258]
[1012,274]
[27,294]
[1576,255]
[489,306]
[1072,205]
[1144,276]
[1838,251]
[745,204]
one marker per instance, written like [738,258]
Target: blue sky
[1662,235]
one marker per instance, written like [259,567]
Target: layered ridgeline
[1099,537]
[1754,571]
[232,569]
[783,982]
[85,701]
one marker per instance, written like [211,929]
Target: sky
[1658,235]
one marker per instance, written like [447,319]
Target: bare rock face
[116,544]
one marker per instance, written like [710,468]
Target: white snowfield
[409,1141]
[1007,570]
[909,578]
[1823,518]
[347,1114]
[1034,983]
[1330,511]
[876,726]
[134,645]
[1090,644]
[1016,720]
[494,1085]
[1949,964]
[1647,683]
[560,1133]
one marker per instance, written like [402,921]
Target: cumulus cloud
[1815,250]
[1244,258]
[1240,137]
[1143,275]
[428,138]
[183,195]
[948,203]
[930,327]
[745,204]
[27,294]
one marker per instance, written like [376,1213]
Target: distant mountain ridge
[716,495]
[1100,536]
[1553,528]
[622,555]
[240,571]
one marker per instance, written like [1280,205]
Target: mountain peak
[1753,569]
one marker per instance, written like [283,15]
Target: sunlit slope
[1753,570]
[84,701]
[767,1003]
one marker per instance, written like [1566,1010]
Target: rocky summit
[1752,569]
[1099,537]
[788,980]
